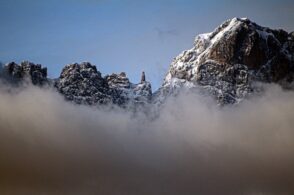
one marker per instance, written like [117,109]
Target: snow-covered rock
[83,84]
[130,93]
[228,60]
[224,63]
[27,71]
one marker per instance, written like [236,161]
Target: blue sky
[121,35]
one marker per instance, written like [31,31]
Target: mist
[193,146]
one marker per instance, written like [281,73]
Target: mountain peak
[227,60]
[224,63]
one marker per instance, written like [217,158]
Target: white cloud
[51,146]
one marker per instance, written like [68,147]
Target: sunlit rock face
[25,71]
[228,60]
[83,84]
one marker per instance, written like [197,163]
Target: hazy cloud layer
[49,146]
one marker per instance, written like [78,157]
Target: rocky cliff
[227,61]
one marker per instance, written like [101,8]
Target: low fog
[50,146]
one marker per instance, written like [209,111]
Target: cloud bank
[50,146]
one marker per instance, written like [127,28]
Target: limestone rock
[228,60]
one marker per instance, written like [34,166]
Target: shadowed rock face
[226,61]
[25,71]
[83,84]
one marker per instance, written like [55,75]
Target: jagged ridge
[83,84]
[224,63]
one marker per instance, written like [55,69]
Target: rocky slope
[227,61]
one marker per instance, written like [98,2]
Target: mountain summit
[224,64]
[227,61]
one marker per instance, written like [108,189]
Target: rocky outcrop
[136,93]
[118,81]
[83,84]
[228,60]
[143,78]
[27,71]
